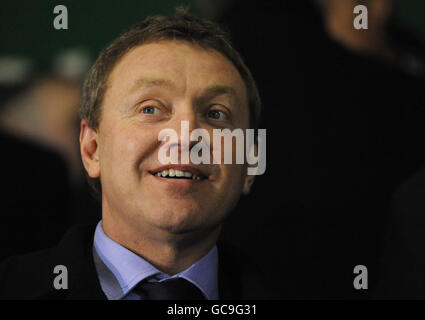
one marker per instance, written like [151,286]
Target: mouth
[179,172]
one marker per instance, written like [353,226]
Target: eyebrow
[218,90]
[145,83]
[208,94]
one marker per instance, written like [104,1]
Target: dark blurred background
[343,109]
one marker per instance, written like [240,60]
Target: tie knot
[171,289]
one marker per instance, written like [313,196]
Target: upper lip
[182,167]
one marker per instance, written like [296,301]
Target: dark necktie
[172,289]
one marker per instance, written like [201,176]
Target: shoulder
[31,276]
[240,277]
[20,276]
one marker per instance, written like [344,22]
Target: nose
[185,113]
[183,122]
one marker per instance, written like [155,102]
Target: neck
[168,252]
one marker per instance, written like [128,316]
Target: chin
[179,221]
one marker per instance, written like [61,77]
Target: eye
[217,115]
[150,110]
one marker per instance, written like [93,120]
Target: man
[158,233]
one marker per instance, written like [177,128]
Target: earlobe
[249,181]
[89,149]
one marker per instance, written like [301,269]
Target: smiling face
[153,87]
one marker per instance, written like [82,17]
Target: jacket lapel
[75,252]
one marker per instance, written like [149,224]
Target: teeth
[177,173]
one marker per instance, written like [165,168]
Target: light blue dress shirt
[120,270]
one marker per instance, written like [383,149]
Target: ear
[249,179]
[89,149]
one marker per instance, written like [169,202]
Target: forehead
[187,66]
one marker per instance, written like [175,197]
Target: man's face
[153,87]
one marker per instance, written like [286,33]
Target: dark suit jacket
[31,276]
[402,273]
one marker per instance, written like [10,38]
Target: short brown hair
[181,26]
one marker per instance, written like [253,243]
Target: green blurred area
[411,14]
[27,26]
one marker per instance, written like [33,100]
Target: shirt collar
[122,269]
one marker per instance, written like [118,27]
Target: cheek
[229,187]
[222,150]
[232,179]
[123,151]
